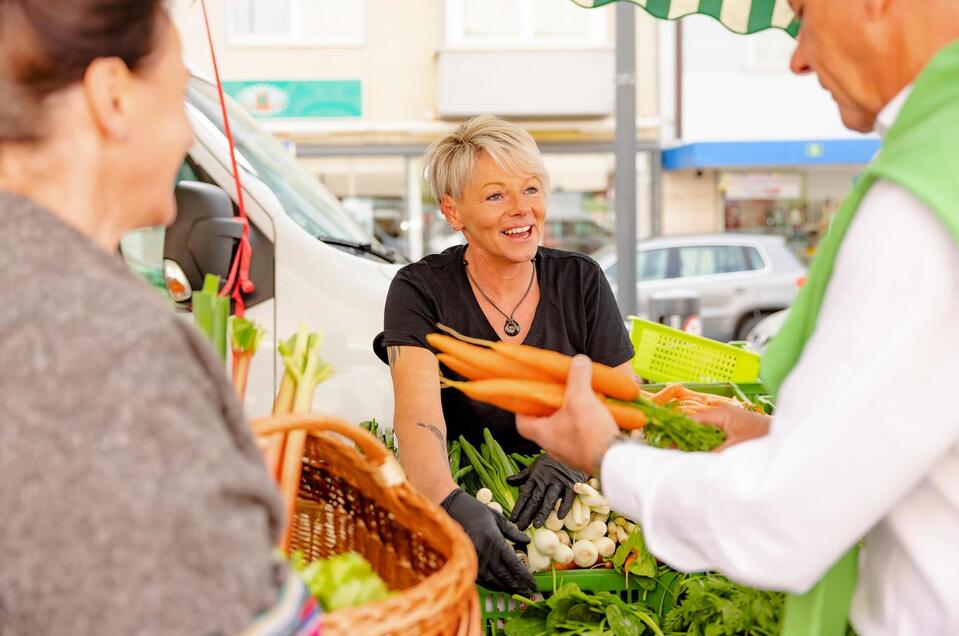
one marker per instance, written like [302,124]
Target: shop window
[297,22]
[524,24]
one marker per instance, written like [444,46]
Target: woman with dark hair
[134,499]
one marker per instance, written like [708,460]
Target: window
[524,24]
[706,260]
[754,258]
[653,265]
[297,22]
[650,265]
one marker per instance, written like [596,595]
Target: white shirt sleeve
[862,419]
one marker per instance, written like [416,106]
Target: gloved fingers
[528,503]
[513,573]
[519,478]
[550,497]
[510,531]
[566,503]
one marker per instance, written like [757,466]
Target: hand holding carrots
[579,433]
[739,424]
[499,373]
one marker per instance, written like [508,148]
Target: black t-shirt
[577,313]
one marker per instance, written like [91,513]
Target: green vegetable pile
[384,435]
[572,611]
[488,466]
[342,581]
[679,605]
[712,605]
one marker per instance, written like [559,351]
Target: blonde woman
[490,181]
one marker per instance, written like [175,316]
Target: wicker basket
[353,496]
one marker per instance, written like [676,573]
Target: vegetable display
[670,603]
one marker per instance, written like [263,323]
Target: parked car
[765,330]
[739,278]
[570,227]
[582,235]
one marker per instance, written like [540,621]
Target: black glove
[499,567]
[544,483]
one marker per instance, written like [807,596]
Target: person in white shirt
[865,440]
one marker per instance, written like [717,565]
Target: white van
[311,261]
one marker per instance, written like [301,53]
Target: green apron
[921,154]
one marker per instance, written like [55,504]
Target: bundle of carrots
[530,381]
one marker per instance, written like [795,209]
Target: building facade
[359,88]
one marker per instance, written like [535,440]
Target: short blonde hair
[450,161]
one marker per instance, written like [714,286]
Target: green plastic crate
[497,607]
[664,354]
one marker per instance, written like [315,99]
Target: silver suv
[739,278]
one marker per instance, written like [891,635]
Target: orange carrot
[486,360]
[464,368]
[627,418]
[538,399]
[606,379]
[549,365]
[510,395]
[669,394]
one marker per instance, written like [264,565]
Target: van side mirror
[205,233]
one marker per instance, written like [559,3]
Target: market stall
[354,523]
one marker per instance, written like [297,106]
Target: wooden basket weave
[353,496]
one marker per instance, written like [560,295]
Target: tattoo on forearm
[392,355]
[437,433]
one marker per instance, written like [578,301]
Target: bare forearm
[423,457]
[418,421]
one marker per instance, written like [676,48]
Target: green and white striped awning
[740,16]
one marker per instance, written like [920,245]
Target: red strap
[238,282]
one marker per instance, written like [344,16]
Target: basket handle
[387,469]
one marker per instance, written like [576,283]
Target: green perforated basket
[498,607]
[664,354]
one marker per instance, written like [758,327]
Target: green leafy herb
[712,605]
[643,566]
[570,610]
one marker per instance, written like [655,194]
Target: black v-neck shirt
[577,313]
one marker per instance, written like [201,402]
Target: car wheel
[746,324]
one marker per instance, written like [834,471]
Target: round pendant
[511,328]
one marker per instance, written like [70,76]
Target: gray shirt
[133,499]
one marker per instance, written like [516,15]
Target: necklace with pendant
[511,327]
